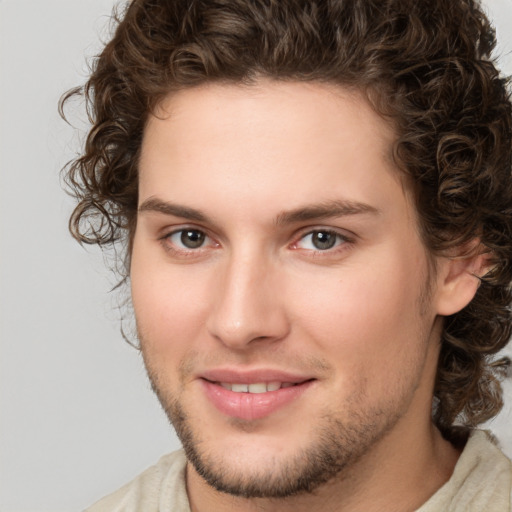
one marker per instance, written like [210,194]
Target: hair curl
[424,64]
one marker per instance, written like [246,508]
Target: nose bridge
[247,303]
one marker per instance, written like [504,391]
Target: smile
[257,387]
[253,400]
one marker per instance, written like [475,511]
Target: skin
[361,320]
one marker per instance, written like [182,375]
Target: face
[280,285]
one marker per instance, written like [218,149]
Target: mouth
[256,387]
[254,398]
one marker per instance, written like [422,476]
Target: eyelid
[177,228]
[345,234]
[346,238]
[166,235]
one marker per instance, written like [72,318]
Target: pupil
[192,238]
[323,240]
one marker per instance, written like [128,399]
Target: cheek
[169,306]
[367,319]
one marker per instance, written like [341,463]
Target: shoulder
[160,487]
[482,479]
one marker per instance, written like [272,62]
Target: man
[315,203]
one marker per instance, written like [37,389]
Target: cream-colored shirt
[481,482]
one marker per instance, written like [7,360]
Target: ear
[459,277]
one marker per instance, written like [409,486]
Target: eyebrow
[153,204]
[324,210]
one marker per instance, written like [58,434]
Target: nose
[249,305]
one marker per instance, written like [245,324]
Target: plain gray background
[77,416]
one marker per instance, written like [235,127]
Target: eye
[188,238]
[320,240]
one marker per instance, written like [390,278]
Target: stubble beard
[334,448]
[337,446]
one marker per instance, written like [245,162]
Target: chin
[282,467]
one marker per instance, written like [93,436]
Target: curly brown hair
[425,65]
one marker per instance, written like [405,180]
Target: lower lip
[252,406]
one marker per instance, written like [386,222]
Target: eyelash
[170,246]
[341,242]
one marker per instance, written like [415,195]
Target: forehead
[272,143]
[268,108]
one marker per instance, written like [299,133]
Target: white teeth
[257,387]
[273,386]
[240,388]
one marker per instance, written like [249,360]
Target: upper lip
[253,376]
